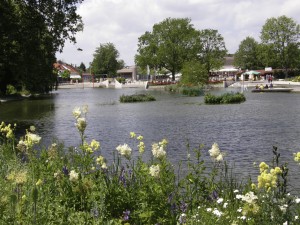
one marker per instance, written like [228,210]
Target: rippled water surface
[245,131]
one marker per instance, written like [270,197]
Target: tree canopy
[31,32]
[246,57]
[106,60]
[281,35]
[171,43]
[212,50]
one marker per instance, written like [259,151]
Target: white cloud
[122,22]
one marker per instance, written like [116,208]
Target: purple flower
[126,215]
[65,171]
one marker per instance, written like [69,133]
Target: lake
[247,132]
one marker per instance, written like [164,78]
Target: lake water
[246,132]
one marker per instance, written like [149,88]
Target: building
[129,72]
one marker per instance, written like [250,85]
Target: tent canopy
[251,72]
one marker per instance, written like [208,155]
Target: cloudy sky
[122,22]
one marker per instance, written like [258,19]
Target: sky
[122,22]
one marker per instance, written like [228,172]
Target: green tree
[282,34]
[194,72]
[31,33]
[212,50]
[82,67]
[246,57]
[171,43]
[106,60]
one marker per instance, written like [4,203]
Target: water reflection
[245,131]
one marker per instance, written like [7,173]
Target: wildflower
[250,197]
[65,171]
[73,175]
[217,212]
[297,200]
[215,152]
[158,151]
[39,182]
[209,209]
[31,139]
[104,166]
[263,167]
[253,186]
[163,142]
[76,112]
[32,128]
[18,177]
[85,109]
[126,215]
[239,210]
[283,208]
[154,170]
[81,124]
[95,145]
[141,147]
[236,191]
[132,135]
[220,200]
[140,138]
[225,205]
[182,218]
[124,150]
[100,160]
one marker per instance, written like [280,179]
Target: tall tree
[106,60]
[171,43]
[282,34]
[212,50]
[194,72]
[246,56]
[34,31]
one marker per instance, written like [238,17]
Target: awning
[75,76]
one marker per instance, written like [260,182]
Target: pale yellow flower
[132,135]
[140,138]
[141,147]
[158,151]
[124,150]
[81,124]
[73,176]
[77,112]
[154,170]
[95,145]
[263,167]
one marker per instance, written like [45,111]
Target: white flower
[154,170]
[236,191]
[124,150]
[217,212]
[296,217]
[297,200]
[239,210]
[77,112]
[220,200]
[285,223]
[283,208]
[219,158]
[209,209]
[158,151]
[225,205]
[214,151]
[73,175]
[33,138]
[81,124]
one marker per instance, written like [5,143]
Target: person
[256,86]
[271,85]
[261,86]
[266,87]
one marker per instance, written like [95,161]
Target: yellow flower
[132,135]
[21,177]
[73,175]
[95,145]
[263,167]
[100,160]
[76,112]
[253,186]
[39,182]
[140,138]
[154,170]
[141,147]
[297,157]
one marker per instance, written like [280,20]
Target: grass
[77,185]
[227,98]
[137,98]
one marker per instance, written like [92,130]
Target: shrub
[191,91]
[136,98]
[227,98]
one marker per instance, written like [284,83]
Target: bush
[136,98]
[191,91]
[227,98]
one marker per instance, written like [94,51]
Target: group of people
[264,87]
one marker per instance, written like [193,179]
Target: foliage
[246,57]
[212,50]
[31,33]
[282,35]
[82,67]
[65,74]
[137,98]
[106,60]
[191,91]
[171,43]
[227,98]
[121,80]
[296,79]
[78,185]
[195,73]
